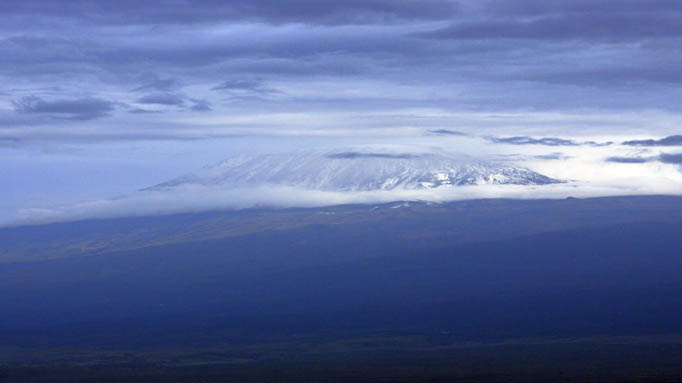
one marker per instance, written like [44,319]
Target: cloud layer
[570,87]
[241,64]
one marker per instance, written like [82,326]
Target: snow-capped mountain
[357,170]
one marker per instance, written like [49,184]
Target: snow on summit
[358,169]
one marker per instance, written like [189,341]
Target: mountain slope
[460,222]
[358,170]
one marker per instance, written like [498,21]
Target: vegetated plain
[486,290]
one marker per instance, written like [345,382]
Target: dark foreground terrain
[492,290]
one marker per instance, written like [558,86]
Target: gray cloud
[353,155]
[593,27]
[10,142]
[671,158]
[628,160]
[546,141]
[666,158]
[544,7]
[199,105]
[169,99]
[664,73]
[209,11]
[447,132]
[142,111]
[552,156]
[608,20]
[525,140]
[328,61]
[159,84]
[666,141]
[255,86]
[75,109]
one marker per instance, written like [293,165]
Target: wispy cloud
[75,109]
[552,156]
[169,99]
[159,84]
[546,141]
[199,105]
[671,158]
[666,141]
[628,160]
[666,158]
[447,132]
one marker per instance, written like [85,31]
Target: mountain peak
[363,169]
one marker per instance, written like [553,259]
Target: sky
[100,99]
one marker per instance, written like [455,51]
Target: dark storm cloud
[206,11]
[666,141]
[168,99]
[75,109]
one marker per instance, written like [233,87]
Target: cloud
[9,142]
[671,158]
[245,86]
[333,12]
[169,99]
[206,198]
[666,158]
[544,7]
[142,111]
[525,140]
[159,84]
[597,144]
[546,141]
[552,156]
[199,105]
[628,160]
[587,173]
[669,72]
[74,109]
[597,24]
[353,155]
[447,132]
[667,141]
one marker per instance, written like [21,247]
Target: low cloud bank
[589,171]
[201,198]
